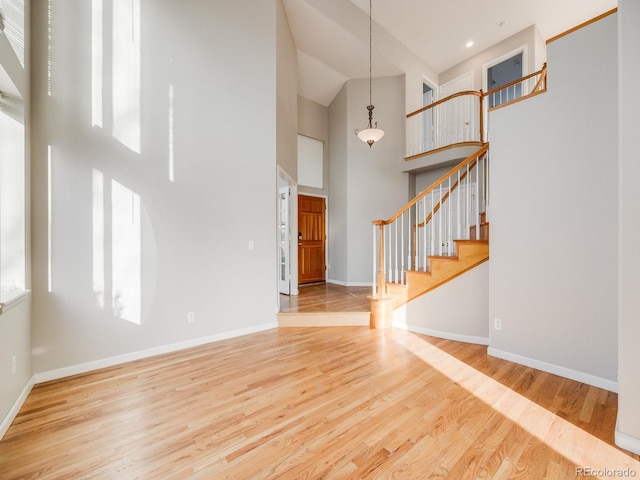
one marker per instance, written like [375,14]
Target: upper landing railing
[454,119]
[459,118]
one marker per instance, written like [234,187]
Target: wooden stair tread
[471,253]
[473,241]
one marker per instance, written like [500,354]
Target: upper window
[13,15]
[12,202]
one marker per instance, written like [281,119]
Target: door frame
[293,227]
[525,63]
[435,89]
[326,233]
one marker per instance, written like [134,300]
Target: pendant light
[372,133]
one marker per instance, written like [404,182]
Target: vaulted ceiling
[332,35]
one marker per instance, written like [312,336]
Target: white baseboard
[129,357]
[555,369]
[351,284]
[17,405]
[629,443]
[446,335]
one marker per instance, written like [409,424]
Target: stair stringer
[471,253]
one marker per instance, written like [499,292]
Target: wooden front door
[311,239]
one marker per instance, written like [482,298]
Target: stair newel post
[481,116]
[381,303]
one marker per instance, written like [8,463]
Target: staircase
[470,253]
[436,237]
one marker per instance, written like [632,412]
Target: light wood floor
[331,403]
[326,297]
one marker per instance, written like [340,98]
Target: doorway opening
[429,120]
[506,71]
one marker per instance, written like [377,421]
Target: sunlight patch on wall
[97,62]
[49,219]
[171,150]
[126,73]
[49,48]
[126,253]
[12,205]
[98,238]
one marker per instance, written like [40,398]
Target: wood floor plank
[308,403]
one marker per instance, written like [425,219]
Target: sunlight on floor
[578,446]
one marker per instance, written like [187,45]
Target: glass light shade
[370,135]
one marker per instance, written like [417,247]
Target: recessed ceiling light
[469,44]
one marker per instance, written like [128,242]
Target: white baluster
[468,202]
[477,202]
[449,231]
[440,221]
[458,208]
[416,235]
[396,252]
[433,224]
[424,233]
[375,258]
[389,270]
[402,269]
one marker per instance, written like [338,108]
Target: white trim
[293,227]
[432,85]
[129,357]
[446,335]
[350,284]
[17,405]
[13,299]
[555,369]
[627,442]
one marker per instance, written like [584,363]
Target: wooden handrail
[582,25]
[453,171]
[445,196]
[543,78]
[515,82]
[446,99]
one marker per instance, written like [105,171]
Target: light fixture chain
[370,54]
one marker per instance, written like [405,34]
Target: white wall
[529,38]
[15,340]
[553,278]
[628,428]
[313,121]
[365,183]
[218,128]
[376,189]
[286,96]
[15,322]
[338,231]
[458,310]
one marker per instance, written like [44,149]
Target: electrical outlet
[191,317]
[497,324]
[14,365]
